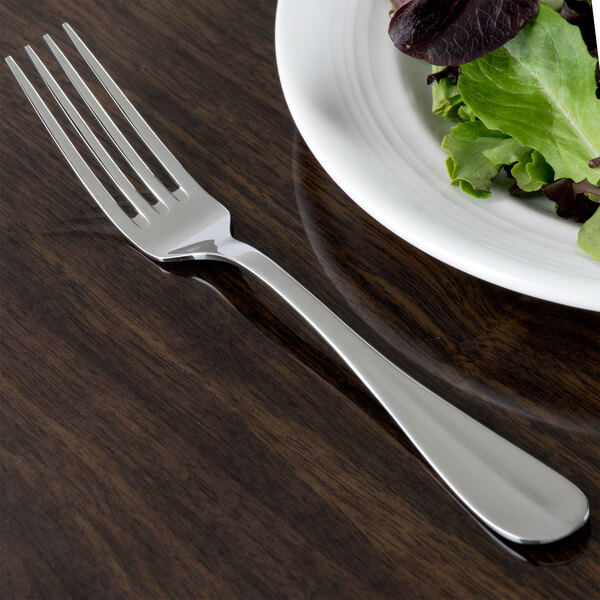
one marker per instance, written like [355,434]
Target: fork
[513,493]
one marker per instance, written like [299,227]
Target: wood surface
[181,433]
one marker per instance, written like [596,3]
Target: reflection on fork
[513,493]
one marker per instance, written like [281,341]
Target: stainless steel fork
[516,495]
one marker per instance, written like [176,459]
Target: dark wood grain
[181,433]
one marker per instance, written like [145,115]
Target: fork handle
[512,492]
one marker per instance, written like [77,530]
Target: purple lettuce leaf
[447,72]
[453,32]
[571,198]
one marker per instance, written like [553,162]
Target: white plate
[363,108]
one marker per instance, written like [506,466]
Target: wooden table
[181,433]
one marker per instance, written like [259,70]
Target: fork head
[180,224]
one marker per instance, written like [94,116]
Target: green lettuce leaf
[477,154]
[589,236]
[465,113]
[540,89]
[532,172]
[446,97]
[553,4]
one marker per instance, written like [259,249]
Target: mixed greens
[521,79]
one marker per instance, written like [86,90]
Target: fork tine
[93,185]
[103,157]
[146,133]
[159,191]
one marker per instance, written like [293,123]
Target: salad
[520,79]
